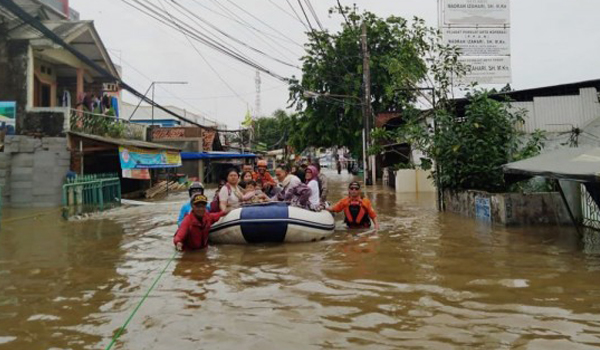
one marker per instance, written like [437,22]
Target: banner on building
[137,158]
[482,13]
[487,69]
[481,30]
[479,41]
[8,116]
[136,174]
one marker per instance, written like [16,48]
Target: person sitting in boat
[358,210]
[195,187]
[287,182]
[246,177]
[193,232]
[231,194]
[264,178]
[214,206]
[323,186]
[248,168]
[252,194]
[312,175]
[292,190]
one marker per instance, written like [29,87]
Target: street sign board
[487,69]
[469,13]
[479,41]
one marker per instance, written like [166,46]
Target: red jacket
[193,233]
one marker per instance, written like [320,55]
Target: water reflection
[424,281]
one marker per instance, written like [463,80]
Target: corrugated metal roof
[124,142]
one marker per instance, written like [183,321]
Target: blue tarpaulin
[215,155]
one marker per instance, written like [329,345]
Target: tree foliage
[471,150]
[403,55]
[273,130]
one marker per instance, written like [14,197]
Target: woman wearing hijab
[312,176]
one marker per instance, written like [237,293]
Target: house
[53,95]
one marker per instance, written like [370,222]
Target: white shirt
[315,196]
[230,198]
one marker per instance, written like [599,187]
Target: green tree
[273,130]
[472,149]
[403,55]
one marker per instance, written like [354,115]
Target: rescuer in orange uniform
[358,210]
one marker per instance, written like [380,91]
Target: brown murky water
[426,281]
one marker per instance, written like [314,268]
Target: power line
[194,108]
[204,58]
[184,9]
[230,96]
[237,19]
[263,22]
[297,16]
[206,41]
[257,33]
[314,13]
[289,14]
[305,16]
[36,24]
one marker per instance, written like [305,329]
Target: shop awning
[216,155]
[576,164]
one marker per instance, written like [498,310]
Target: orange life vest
[356,215]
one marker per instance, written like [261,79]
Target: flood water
[424,281]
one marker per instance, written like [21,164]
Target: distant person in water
[193,232]
[357,209]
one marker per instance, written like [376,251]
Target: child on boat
[252,194]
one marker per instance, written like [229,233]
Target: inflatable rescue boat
[272,223]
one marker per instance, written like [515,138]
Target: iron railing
[91,193]
[590,210]
[102,125]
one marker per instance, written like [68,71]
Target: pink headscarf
[314,171]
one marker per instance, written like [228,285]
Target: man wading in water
[193,232]
[358,210]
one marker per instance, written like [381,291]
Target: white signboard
[487,69]
[470,13]
[479,42]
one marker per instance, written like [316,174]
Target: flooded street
[425,281]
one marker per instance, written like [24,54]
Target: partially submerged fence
[590,209]
[90,193]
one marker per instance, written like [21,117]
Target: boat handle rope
[122,329]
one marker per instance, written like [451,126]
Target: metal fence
[590,210]
[90,193]
[102,125]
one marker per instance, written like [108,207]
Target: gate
[91,193]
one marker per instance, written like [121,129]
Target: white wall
[577,111]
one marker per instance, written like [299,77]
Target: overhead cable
[205,60]
[186,12]
[206,41]
[36,24]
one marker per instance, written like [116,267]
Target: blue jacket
[186,209]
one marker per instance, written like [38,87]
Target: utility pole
[367,112]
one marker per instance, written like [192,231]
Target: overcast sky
[553,42]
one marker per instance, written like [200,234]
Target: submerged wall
[509,208]
[33,170]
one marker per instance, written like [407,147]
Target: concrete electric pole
[369,178]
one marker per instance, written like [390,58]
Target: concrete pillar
[30,77]
[53,96]
[80,84]
[201,162]
[572,192]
